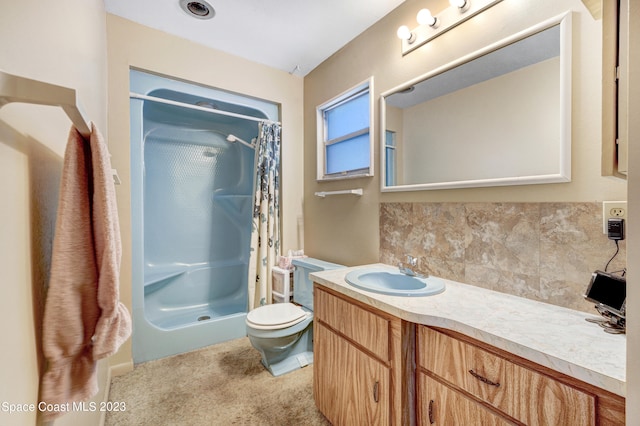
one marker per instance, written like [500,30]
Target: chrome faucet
[412,262]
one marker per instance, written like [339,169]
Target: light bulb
[426,18]
[458,3]
[404,33]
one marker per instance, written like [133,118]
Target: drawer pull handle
[431,412]
[484,379]
[376,385]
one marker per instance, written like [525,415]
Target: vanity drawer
[367,329]
[440,405]
[524,394]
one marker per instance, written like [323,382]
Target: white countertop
[552,336]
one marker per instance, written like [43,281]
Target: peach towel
[83,318]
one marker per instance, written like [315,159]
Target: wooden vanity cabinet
[358,375]
[476,384]
[371,368]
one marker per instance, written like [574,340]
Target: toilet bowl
[283,332]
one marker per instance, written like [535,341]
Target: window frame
[321,143]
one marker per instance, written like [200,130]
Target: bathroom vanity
[465,356]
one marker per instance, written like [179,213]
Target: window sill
[345,177]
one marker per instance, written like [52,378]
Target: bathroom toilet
[283,332]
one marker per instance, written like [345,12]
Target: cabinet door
[359,325]
[350,387]
[440,405]
[532,398]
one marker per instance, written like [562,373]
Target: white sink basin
[394,283]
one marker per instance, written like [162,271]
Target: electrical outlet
[613,209]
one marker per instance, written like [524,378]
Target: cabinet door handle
[483,379]
[376,397]
[431,412]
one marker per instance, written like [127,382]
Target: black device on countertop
[609,292]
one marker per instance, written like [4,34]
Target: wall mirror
[500,116]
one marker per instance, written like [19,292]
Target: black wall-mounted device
[609,292]
[615,228]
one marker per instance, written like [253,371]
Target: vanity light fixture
[425,17]
[432,26]
[404,33]
[460,4]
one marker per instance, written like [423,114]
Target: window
[390,158]
[344,134]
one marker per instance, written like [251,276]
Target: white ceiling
[282,34]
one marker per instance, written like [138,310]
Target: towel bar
[323,194]
[14,88]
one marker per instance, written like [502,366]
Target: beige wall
[345,230]
[133,45]
[64,43]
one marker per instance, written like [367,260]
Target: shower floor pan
[189,316]
[188,297]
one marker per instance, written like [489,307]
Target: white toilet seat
[276,316]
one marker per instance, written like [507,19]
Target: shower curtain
[265,232]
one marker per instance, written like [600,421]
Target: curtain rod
[198,108]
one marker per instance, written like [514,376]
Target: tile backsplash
[542,251]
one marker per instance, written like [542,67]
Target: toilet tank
[302,284]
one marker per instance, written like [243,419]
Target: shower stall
[192,179]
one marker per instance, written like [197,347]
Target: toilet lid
[277,315]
